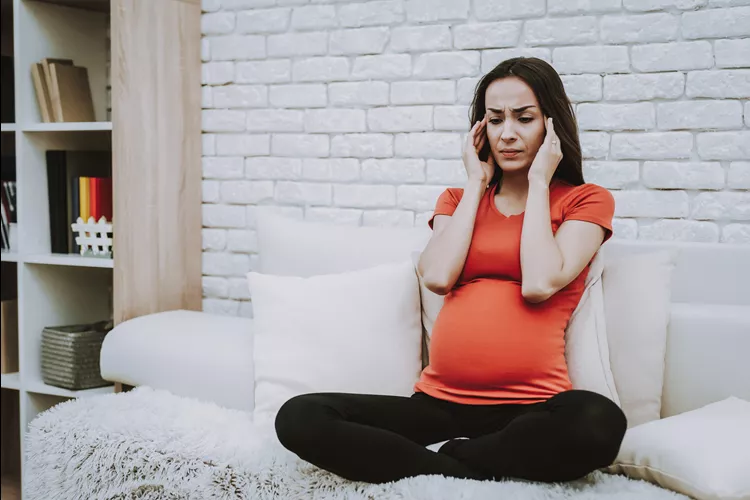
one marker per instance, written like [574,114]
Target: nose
[508,132]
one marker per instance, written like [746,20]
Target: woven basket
[70,355]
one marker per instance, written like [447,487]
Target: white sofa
[210,357]
[153,444]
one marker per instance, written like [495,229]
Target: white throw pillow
[586,346]
[704,453]
[637,307]
[357,332]
[289,247]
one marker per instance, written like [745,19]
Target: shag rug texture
[148,444]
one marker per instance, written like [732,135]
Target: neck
[515,184]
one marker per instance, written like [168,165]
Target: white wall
[353,112]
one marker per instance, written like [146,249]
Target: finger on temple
[478,137]
[482,139]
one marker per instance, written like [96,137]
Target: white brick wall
[353,112]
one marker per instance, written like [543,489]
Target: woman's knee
[600,425]
[293,421]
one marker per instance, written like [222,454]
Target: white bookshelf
[52,289]
[156,176]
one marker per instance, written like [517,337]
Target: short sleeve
[446,203]
[591,203]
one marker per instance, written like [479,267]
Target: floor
[10,489]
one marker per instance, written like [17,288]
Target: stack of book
[79,185]
[8,205]
[62,91]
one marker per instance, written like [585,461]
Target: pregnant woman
[510,252]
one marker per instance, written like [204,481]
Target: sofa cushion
[356,332]
[636,304]
[703,453]
[189,353]
[289,247]
[707,356]
[704,273]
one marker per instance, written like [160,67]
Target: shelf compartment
[56,296]
[57,30]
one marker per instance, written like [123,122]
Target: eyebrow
[515,110]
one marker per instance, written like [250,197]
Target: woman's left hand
[548,157]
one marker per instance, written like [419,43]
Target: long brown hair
[548,88]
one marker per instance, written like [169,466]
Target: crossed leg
[564,438]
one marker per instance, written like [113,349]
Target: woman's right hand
[477,170]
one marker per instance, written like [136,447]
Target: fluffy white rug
[149,445]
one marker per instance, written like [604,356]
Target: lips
[510,153]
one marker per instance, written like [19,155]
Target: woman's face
[515,124]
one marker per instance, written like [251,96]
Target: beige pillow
[637,306]
[586,351]
[358,331]
[704,453]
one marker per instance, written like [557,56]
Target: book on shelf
[8,202]
[62,91]
[79,184]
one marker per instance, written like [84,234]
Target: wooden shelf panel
[8,127]
[73,260]
[10,381]
[69,127]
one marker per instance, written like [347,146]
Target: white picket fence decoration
[94,238]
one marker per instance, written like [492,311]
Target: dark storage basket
[70,355]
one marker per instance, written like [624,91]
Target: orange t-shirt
[488,344]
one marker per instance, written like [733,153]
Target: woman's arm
[549,262]
[443,258]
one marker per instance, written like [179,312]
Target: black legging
[379,439]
